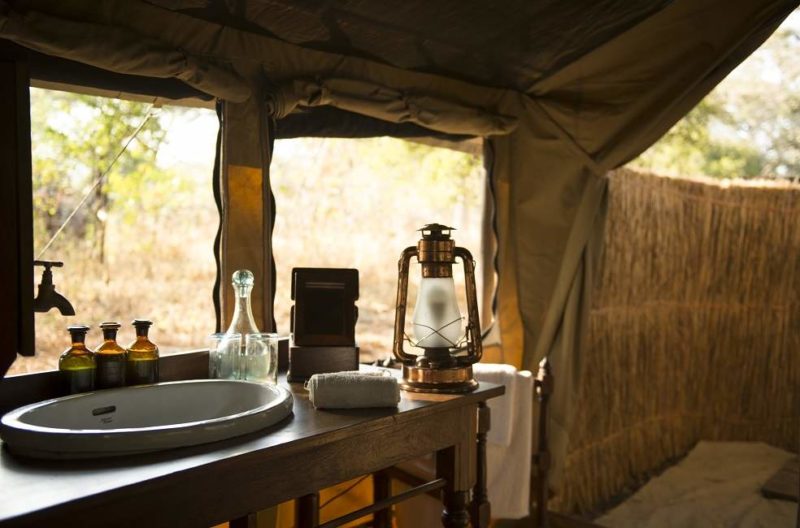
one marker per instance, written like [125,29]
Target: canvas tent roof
[509,44]
[564,91]
[503,44]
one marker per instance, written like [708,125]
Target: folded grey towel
[353,390]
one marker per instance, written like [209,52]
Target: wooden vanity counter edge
[212,483]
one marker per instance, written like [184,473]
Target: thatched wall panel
[694,331]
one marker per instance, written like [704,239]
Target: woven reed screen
[694,330]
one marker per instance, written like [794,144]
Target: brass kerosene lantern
[444,366]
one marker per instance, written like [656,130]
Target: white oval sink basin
[144,418]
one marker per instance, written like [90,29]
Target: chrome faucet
[48,297]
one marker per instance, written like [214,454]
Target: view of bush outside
[141,243]
[357,204]
[747,127]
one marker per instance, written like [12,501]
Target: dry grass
[340,203]
[151,272]
[694,330]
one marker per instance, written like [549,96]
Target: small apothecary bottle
[142,362]
[77,363]
[110,359]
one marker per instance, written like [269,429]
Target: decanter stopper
[243,281]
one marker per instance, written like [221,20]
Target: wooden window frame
[16,215]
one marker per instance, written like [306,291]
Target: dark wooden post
[16,213]
[381,490]
[544,388]
[454,514]
[480,508]
[306,511]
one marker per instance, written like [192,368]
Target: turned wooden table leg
[455,513]
[306,511]
[480,510]
[456,464]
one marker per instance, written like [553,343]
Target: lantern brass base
[451,380]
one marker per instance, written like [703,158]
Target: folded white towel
[353,390]
[502,408]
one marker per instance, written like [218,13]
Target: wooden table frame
[205,485]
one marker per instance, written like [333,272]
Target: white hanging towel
[502,408]
[509,447]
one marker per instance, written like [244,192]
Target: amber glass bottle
[110,359]
[77,364]
[142,356]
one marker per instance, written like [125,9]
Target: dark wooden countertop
[215,482]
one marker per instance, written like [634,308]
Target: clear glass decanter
[243,322]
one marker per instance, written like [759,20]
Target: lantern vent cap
[436,232]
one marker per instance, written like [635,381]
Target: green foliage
[747,127]
[75,140]
[451,177]
[690,147]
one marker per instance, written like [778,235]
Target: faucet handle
[48,264]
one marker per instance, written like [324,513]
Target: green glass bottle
[110,358]
[142,363]
[77,363]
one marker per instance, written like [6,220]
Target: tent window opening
[135,233]
[357,203]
